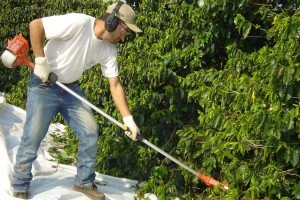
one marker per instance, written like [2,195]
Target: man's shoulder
[80,16]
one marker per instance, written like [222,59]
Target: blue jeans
[44,101]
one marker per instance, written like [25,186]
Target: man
[76,43]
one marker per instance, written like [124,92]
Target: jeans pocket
[42,86]
[34,79]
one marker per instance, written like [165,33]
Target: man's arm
[118,95]
[37,37]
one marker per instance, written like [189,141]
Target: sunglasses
[126,30]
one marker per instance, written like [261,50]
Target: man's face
[120,33]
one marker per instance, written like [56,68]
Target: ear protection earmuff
[112,21]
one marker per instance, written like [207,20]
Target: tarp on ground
[52,181]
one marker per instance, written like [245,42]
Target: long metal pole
[206,179]
[169,156]
[124,127]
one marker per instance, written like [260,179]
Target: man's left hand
[134,130]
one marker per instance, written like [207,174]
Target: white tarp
[52,181]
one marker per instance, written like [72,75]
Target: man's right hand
[41,68]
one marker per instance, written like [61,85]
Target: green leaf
[295,157]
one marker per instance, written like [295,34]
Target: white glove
[41,68]
[8,59]
[134,130]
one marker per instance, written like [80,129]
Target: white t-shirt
[73,47]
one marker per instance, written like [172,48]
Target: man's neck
[99,29]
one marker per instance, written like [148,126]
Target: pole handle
[52,78]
